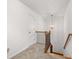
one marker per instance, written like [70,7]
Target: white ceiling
[47,7]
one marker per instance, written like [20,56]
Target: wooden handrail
[67,40]
[47,42]
[51,48]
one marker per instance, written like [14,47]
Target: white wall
[21,24]
[57,35]
[68,29]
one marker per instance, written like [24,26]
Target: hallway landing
[36,51]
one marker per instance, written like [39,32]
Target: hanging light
[51,26]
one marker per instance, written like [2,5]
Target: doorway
[40,37]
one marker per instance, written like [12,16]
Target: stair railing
[67,40]
[47,42]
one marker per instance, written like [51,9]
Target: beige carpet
[36,52]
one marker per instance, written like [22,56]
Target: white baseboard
[21,50]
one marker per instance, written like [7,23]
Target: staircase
[48,44]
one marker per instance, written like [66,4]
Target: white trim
[21,50]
